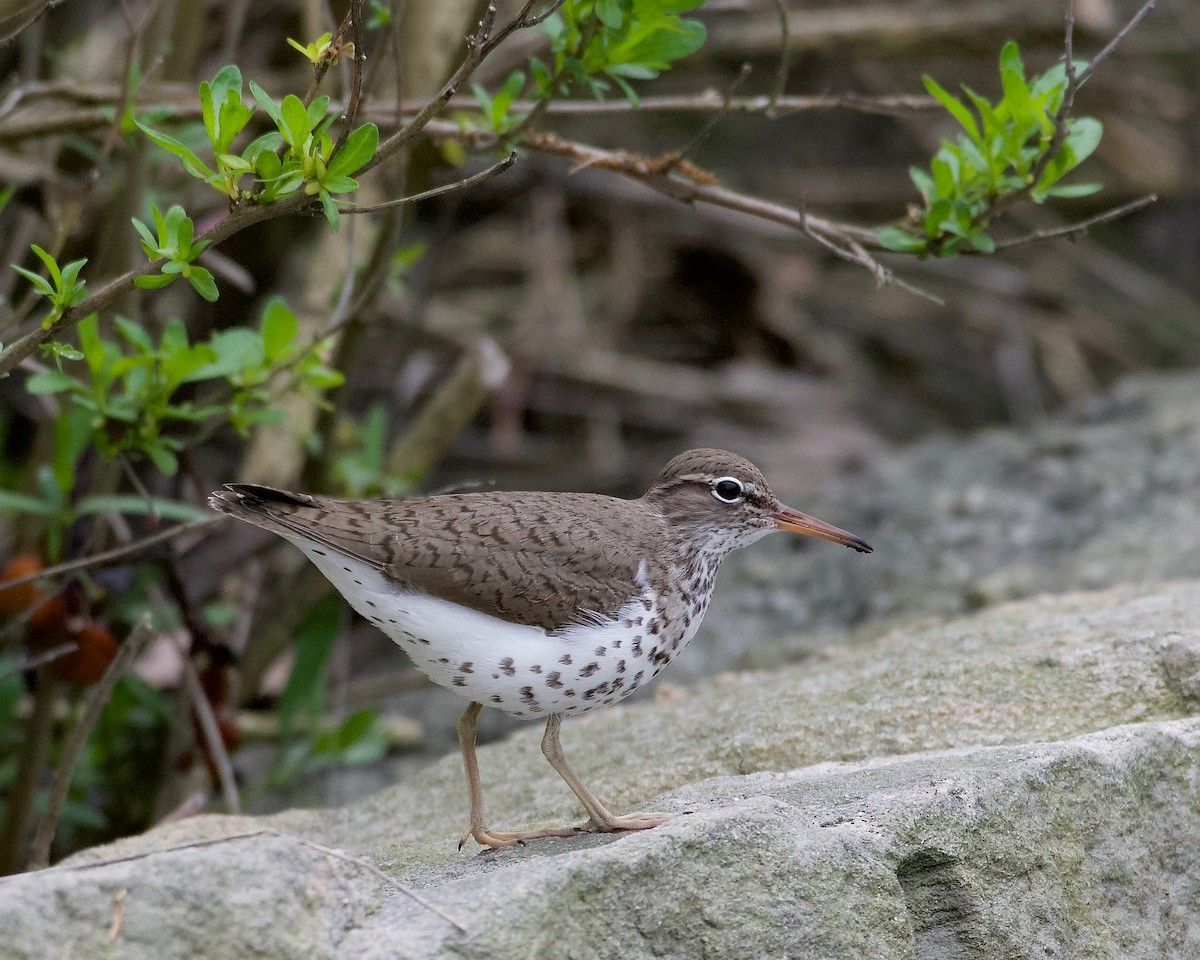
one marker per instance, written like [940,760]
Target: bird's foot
[485,836]
[630,821]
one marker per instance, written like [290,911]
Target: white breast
[522,670]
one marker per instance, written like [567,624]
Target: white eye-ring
[728,490]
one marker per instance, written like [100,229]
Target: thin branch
[97,697]
[1112,44]
[475,54]
[268,832]
[710,125]
[108,557]
[212,734]
[1074,229]
[785,55]
[493,170]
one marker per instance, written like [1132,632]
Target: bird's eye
[728,490]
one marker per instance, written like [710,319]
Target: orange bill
[793,521]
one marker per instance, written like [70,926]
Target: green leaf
[154,281]
[191,163]
[329,208]
[279,328]
[609,13]
[135,333]
[893,238]
[270,107]
[19,503]
[955,107]
[981,242]
[356,151]
[294,117]
[50,381]
[202,282]
[40,283]
[304,691]
[163,459]
[1073,190]
[51,264]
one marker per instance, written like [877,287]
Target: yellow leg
[599,818]
[480,830]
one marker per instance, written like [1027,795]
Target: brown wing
[545,560]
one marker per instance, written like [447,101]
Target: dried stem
[94,703]
[493,170]
[1075,229]
[107,557]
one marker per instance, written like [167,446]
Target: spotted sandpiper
[537,604]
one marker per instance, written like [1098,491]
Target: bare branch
[785,55]
[108,557]
[1075,229]
[97,697]
[493,170]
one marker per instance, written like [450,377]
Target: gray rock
[1021,782]
[1107,493]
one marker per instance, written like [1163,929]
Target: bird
[539,604]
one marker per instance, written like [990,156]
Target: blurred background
[551,327]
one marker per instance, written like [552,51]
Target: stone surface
[1102,495]
[1019,782]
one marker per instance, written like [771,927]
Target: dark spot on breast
[616,644]
[565,660]
[390,620]
[527,694]
[506,667]
[460,681]
[422,640]
[637,646]
[495,676]
[655,626]
[467,666]
[536,668]
[600,651]
[620,666]
[370,603]
[637,679]
[589,669]
[496,698]
[347,569]
[570,692]
[552,679]
[443,659]
[319,553]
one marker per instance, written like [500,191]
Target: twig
[212,734]
[785,55]
[35,661]
[96,699]
[717,117]
[493,170]
[269,832]
[1063,115]
[1111,45]
[1074,229]
[356,74]
[475,53]
[321,67]
[41,123]
[106,557]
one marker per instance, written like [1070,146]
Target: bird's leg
[599,818]
[482,833]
